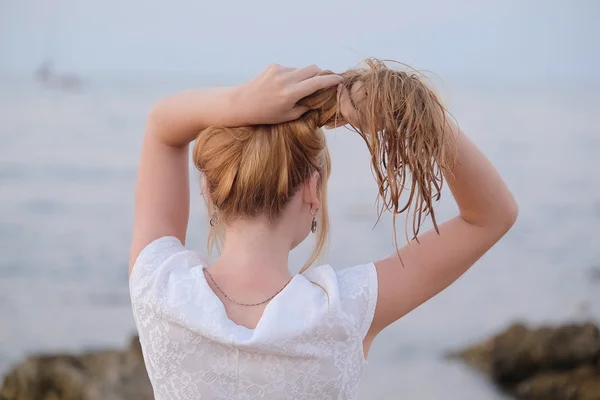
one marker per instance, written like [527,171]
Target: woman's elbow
[156,114]
[509,213]
[499,216]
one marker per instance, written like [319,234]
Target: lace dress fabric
[307,345]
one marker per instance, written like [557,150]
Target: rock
[561,363]
[477,356]
[520,353]
[582,383]
[109,374]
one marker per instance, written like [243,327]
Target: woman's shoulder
[346,280]
[352,290]
[166,253]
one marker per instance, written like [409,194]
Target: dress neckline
[220,306]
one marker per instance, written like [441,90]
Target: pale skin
[254,260]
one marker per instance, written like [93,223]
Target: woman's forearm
[482,196]
[177,119]
[269,98]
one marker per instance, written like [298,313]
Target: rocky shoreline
[101,375]
[549,363]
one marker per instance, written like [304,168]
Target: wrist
[232,106]
[235,102]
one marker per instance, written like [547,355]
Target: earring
[313,225]
[214,219]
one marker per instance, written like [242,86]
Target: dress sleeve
[152,257]
[358,293]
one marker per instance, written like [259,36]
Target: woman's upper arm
[430,265]
[162,194]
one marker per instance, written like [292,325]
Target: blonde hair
[255,170]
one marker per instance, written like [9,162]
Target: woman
[243,328]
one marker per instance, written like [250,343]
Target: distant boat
[46,75]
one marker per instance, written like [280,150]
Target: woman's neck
[255,247]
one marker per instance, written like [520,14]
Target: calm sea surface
[67,167]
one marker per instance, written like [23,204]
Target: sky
[511,39]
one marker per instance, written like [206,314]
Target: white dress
[307,345]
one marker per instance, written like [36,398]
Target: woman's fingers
[345,103]
[302,74]
[349,101]
[297,112]
[275,69]
[311,85]
[288,69]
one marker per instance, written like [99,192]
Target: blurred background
[77,78]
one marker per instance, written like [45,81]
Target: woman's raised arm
[162,190]
[487,210]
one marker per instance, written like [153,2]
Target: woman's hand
[271,96]
[162,194]
[348,101]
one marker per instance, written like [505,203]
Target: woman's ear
[311,190]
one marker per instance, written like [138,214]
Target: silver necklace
[237,302]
